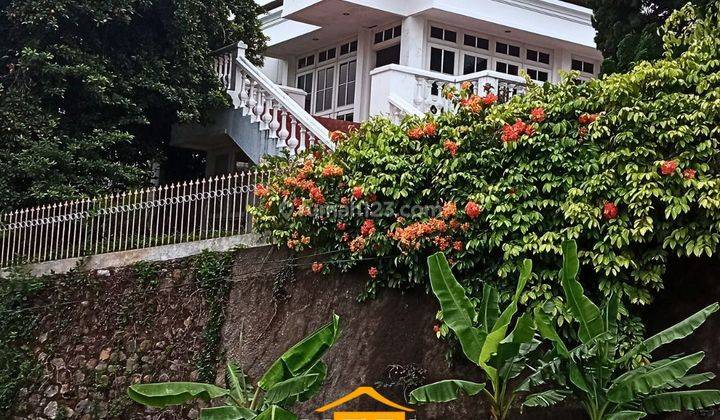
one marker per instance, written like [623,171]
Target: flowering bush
[626,165]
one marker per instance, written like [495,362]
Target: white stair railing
[287,124]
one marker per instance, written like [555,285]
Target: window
[583,66]
[507,68]
[442,60]
[389,55]
[476,42]
[346,117]
[472,64]
[346,84]
[507,49]
[388,34]
[443,34]
[326,55]
[537,56]
[304,82]
[324,89]
[539,75]
[348,48]
[306,61]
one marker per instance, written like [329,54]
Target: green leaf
[659,377]
[678,331]
[458,311]
[626,415]
[275,413]
[235,380]
[547,331]
[545,398]
[444,391]
[489,308]
[690,381]
[681,400]
[302,356]
[173,393]
[320,369]
[226,413]
[585,312]
[497,334]
[289,388]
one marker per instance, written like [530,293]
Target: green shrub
[626,165]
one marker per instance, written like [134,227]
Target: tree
[90,89]
[627,30]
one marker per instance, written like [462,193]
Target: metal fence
[162,215]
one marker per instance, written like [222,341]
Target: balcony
[400,90]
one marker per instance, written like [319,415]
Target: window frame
[444,47]
[474,54]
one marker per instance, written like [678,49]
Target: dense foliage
[600,377]
[626,165]
[89,89]
[294,377]
[628,30]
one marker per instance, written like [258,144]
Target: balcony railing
[170,214]
[399,90]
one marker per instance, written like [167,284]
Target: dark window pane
[353,46]
[544,58]
[514,51]
[388,34]
[352,71]
[311,60]
[321,79]
[389,55]
[436,32]
[396,33]
[450,36]
[532,73]
[301,63]
[531,55]
[468,64]
[501,48]
[344,49]
[512,69]
[350,93]
[482,64]
[483,43]
[435,59]
[543,76]
[343,73]
[322,56]
[449,63]
[328,98]
[331,53]
[341,96]
[577,65]
[469,40]
[501,67]
[589,68]
[378,37]
[329,77]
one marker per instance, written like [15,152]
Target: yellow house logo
[366,415]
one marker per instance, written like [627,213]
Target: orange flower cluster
[367,228]
[409,237]
[357,192]
[373,272]
[689,173]
[586,118]
[475,103]
[442,242]
[416,133]
[293,243]
[317,267]
[331,170]
[357,244]
[336,136]
[317,195]
[466,85]
[449,209]
[537,115]
[261,190]
[451,147]
[668,167]
[472,210]
[511,133]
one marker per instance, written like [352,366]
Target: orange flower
[341,226]
[373,272]
[668,167]
[449,209]
[472,209]
[261,191]
[451,147]
[367,228]
[610,210]
[317,195]
[489,99]
[317,267]
[357,192]
[415,133]
[345,200]
[586,118]
[336,135]
[357,244]
[305,240]
[458,245]
[689,173]
[332,170]
[537,115]
[466,85]
[430,129]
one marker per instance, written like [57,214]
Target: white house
[352,59]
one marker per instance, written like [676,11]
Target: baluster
[419,92]
[302,146]
[251,102]
[283,134]
[312,141]
[256,115]
[244,87]
[274,120]
[292,140]
[266,117]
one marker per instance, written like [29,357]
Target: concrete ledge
[157,253]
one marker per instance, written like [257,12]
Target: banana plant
[602,380]
[295,377]
[485,338]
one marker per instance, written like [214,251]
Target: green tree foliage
[599,377]
[89,89]
[628,30]
[627,165]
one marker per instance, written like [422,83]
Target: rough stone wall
[106,330]
[117,329]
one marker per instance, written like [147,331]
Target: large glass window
[324,89]
[305,82]
[442,60]
[473,63]
[346,84]
[389,55]
[507,68]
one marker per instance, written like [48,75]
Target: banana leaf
[545,398]
[289,388]
[235,380]
[302,356]
[458,311]
[173,393]
[444,391]
[583,309]
[320,369]
[226,413]
[626,415]
[681,400]
[690,381]
[489,308]
[275,412]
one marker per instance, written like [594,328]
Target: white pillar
[562,62]
[412,42]
[365,61]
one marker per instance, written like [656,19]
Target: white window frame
[386,42]
[506,61]
[536,68]
[347,107]
[583,74]
[538,64]
[491,43]
[445,47]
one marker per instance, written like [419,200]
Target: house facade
[350,60]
